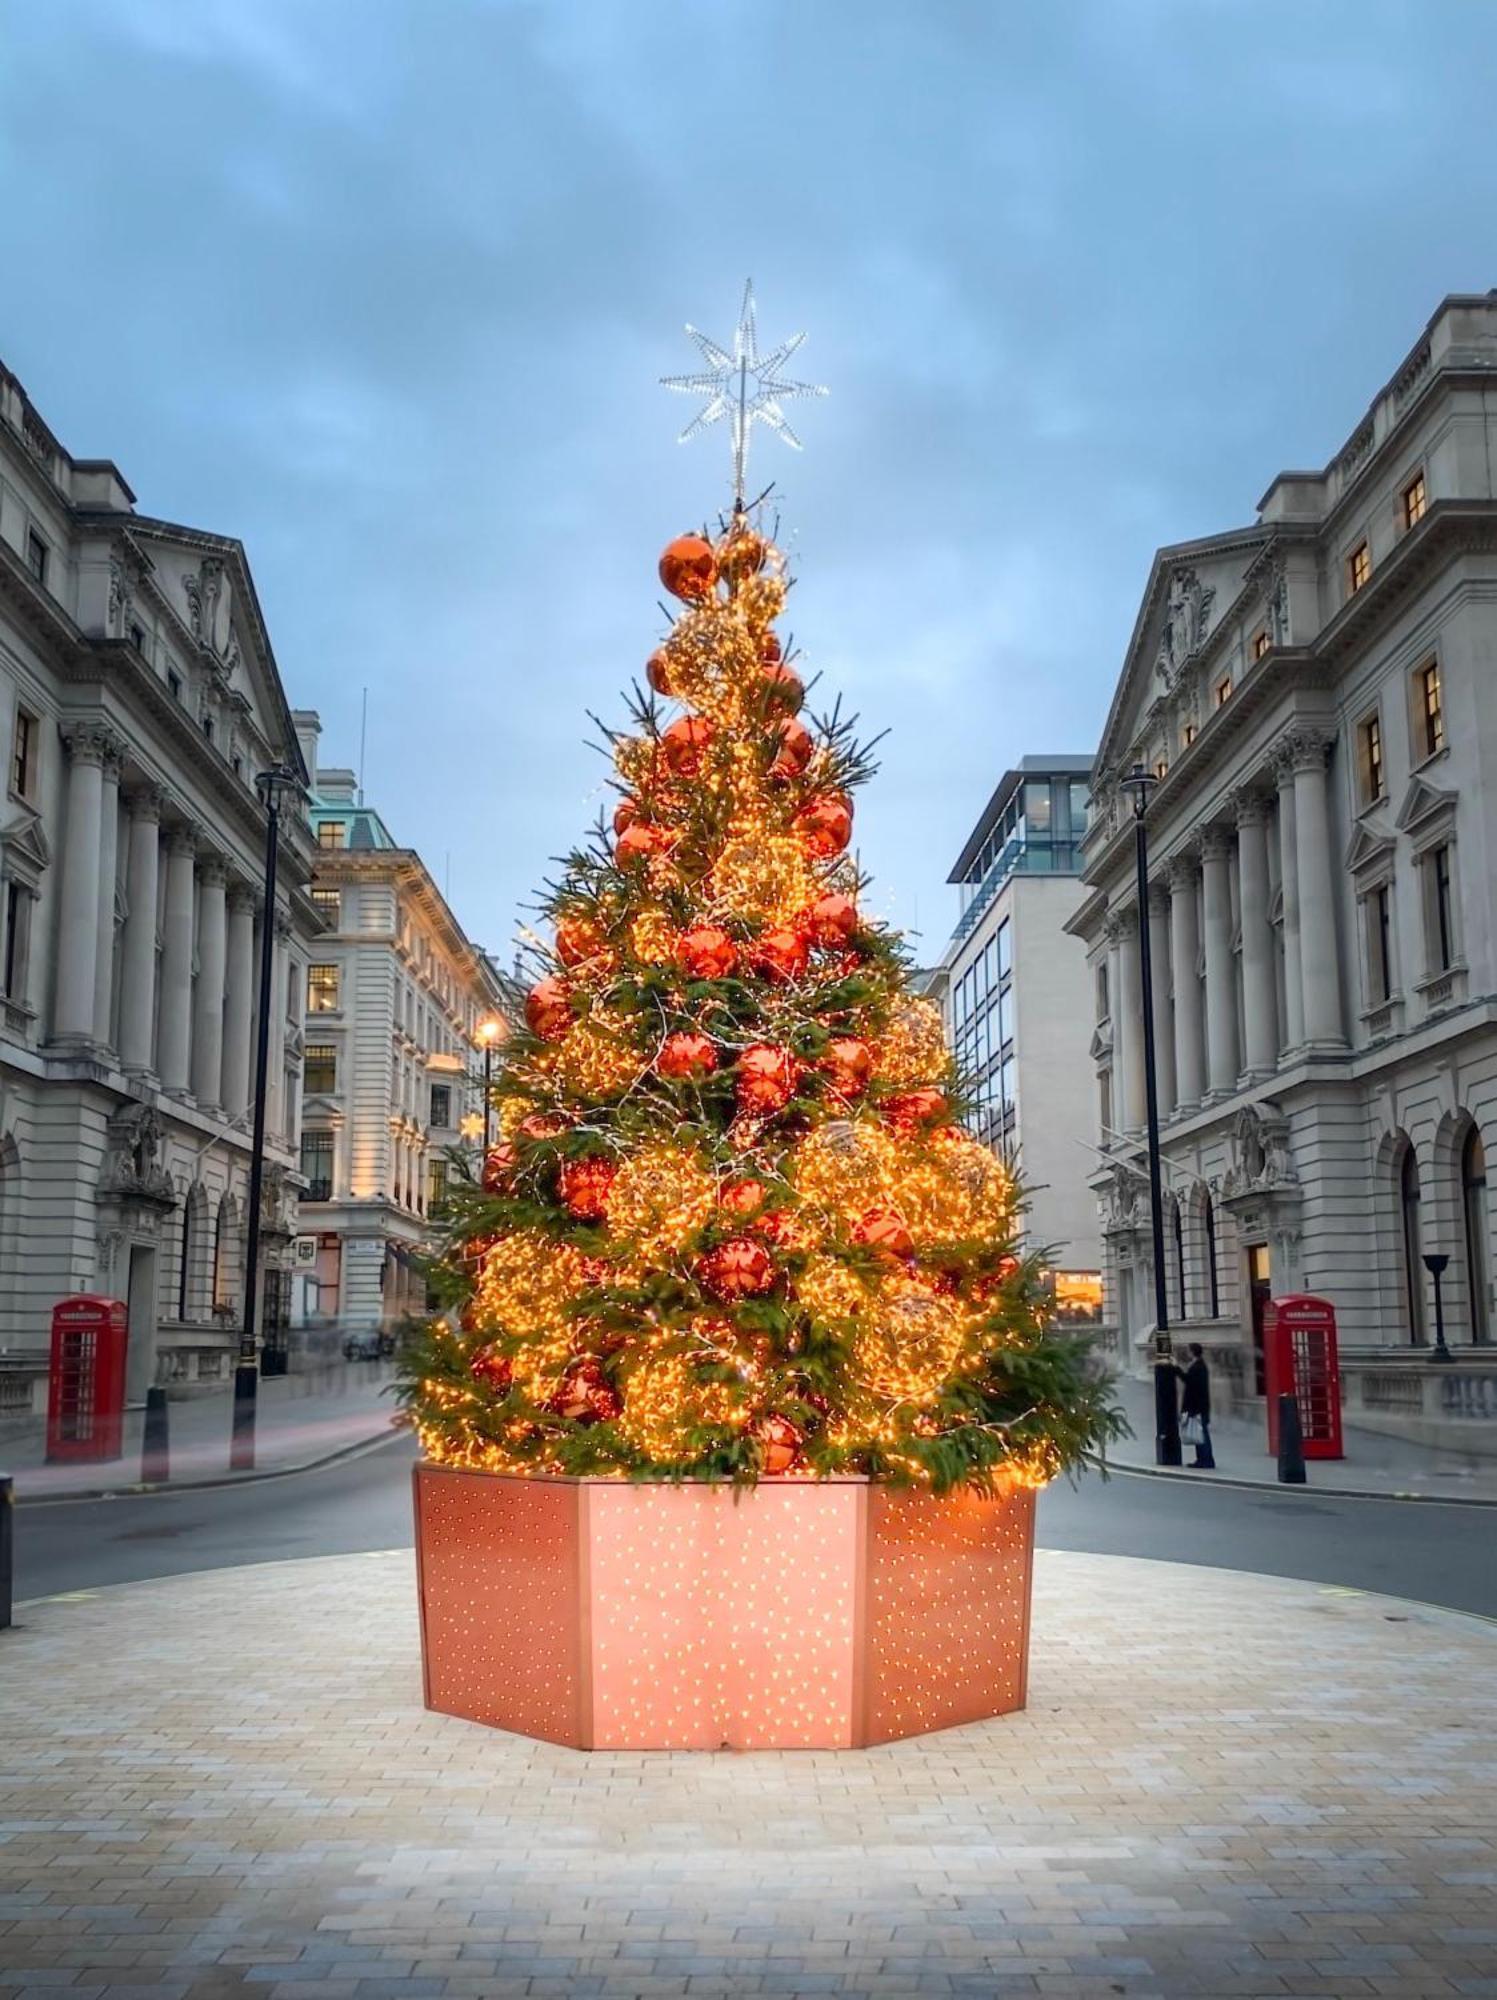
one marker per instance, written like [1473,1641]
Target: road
[1443,1554]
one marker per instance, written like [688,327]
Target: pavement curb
[141,1490]
[1218,1479]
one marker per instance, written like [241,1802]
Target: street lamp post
[1435,1262]
[489,1031]
[272,786]
[1140,783]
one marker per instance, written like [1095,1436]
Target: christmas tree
[733,1226]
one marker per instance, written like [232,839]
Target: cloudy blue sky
[383,287]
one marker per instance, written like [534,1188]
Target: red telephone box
[86,1389]
[1299,1354]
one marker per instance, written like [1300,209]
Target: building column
[138,950]
[276,1120]
[1320,968]
[1130,1002]
[1294,994]
[239,1004]
[1115,1018]
[78,916]
[208,1006]
[1221,1001]
[1260,1004]
[174,1036]
[109,861]
[1185,950]
[1164,1022]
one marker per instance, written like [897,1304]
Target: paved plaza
[1224,1785]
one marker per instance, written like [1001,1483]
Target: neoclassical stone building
[139,698]
[1317,696]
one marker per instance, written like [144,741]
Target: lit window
[322,989]
[1370,742]
[1415,500]
[1223,691]
[332,833]
[320,1069]
[36,555]
[1261,642]
[1190,733]
[1161,765]
[330,903]
[23,755]
[1431,718]
[1358,567]
[1441,911]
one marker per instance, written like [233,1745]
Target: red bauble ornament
[637,843]
[491,1368]
[658,672]
[779,1443]
[826,824]
[684,743]
[781,953]
[583,1185]
[884,1230]
[767,1077]
[542,1125]
[738,1269]
[833,920]
[628,812]
[688,568]
[770,648]
[848,1064]
[586,1395]
[499,1163]
[743,1198]
[686,1054]
[795,749]
[548,1009]
[578,938]
[783,686]
[705,952]
[913,1110]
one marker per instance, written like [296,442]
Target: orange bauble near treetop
[688,568]
[682,1337]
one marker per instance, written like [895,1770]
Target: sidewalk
[1388,1467]
[301,1420]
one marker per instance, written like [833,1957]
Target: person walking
[1195,1404]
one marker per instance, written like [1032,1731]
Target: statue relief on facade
[210,603]
[1187,619]
[133,1169]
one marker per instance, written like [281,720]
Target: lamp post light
[489,1031]
[272,785]
[1139,783]
[1435,1262]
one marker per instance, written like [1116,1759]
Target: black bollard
[155,1449]
[7,1546]
[1291,1444]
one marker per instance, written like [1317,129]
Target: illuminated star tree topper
[744,386]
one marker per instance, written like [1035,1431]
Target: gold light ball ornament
[912,1047]
[762,598]
[740,553]
[688,568]
[830,1291]
[652,938]
[845,1166]
[662,1196]
[597,1060]
[907,1349]
[761,876]
[548,1009]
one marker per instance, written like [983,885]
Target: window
[1379,906]
[1102,991]
[1161,766]
[36,555]
[17,939]
[320,1069]
[1415,501]
[184,1270]
[207,722]
[1190,733]
[1223,690]
[332,833]
[1429,715]
[329,903]
[1358,568]
[317,1165]
[23,755]
[436,1185]
[174,684]
[138,637]
[441,1105]
[1413,1263]
[236,763]
[322,989]
[1474,1213]
[1179,1222]
[1261,642]
[1441,909]
[1370,758]
[1208,1220]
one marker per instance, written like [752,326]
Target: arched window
[1474,1214]
[1208,1219]
[1179,1262]
[223,1247]
[1413,1267]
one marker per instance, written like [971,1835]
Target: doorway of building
[140,1310]
[1259,1293]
